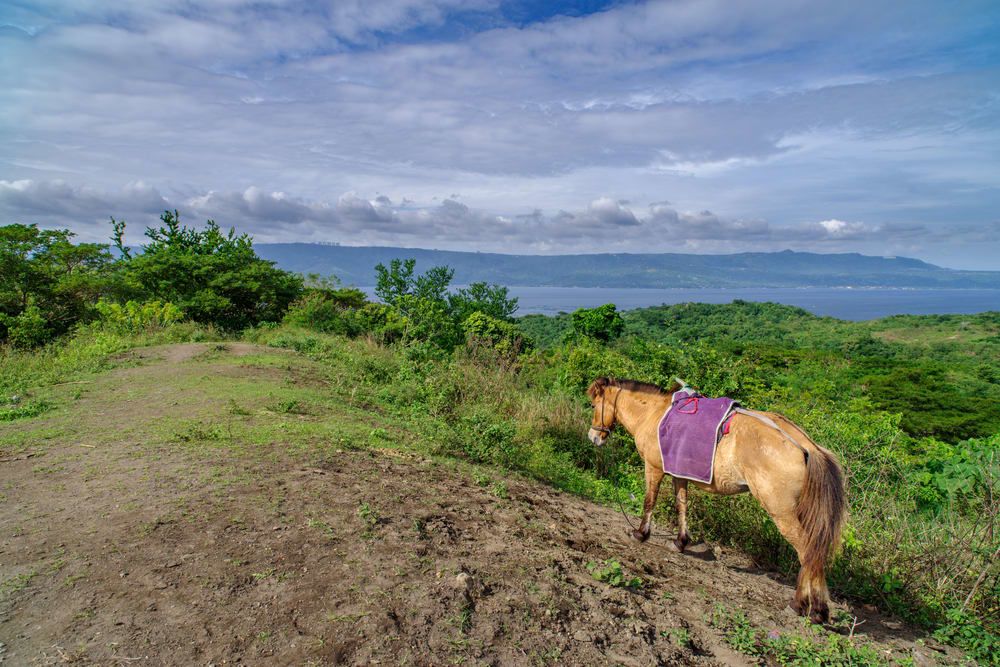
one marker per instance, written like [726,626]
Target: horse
[799,483]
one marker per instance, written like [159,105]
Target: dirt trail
[122,545]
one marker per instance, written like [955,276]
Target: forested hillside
[354,265]
[907,403]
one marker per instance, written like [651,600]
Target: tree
[603,323]
[492,300]
[429,311]
[48,283]
[213,277]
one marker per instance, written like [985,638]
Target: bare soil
[122,545]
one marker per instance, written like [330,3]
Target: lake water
[842,303]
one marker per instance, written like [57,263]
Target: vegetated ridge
[354,266]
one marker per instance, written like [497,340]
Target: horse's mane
[601,383]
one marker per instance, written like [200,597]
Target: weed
[370,518]
[84,614]
[71,579]
[677,636]
[322,526]
[289,406]
[24,410]
[817,647]
[481,479]
[499,489]
[199,432]
[264,574]
[611,573]
[15,584]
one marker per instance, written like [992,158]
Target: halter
[606,430]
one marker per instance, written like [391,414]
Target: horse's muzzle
[597,437]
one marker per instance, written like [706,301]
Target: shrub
[134,317]
[484,332]
[329,310]
[27,329]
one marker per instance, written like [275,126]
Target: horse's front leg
[654,475]
[681,497]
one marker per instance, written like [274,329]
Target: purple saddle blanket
[689,433]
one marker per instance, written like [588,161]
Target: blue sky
[710,126]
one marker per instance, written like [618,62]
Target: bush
[503,339]
[329,310]
[27,329]
[133,317]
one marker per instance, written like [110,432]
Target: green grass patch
[814,646]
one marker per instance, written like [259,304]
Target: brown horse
[799,483]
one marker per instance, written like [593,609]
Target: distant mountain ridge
[355,265]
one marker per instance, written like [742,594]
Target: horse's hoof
[640,536]
[800,607]
[680,544]
[820,615]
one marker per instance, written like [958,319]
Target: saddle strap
[764,419]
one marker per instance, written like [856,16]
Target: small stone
[921,659]
[582,636]
[463,581]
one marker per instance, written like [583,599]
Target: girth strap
[767,421]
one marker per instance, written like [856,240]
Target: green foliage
[23,409]
[213,277]
[815,647]
[327,307]
[611,573]
[420,308]
[27,329]
[491,300]
[133,317]
[47,283]
[603,323]
[485,331]
[968,633]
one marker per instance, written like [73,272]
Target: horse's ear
[597,387]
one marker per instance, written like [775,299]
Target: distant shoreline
[845,303]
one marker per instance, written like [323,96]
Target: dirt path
[130,534]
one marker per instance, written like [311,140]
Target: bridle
[606,430]
[602,468]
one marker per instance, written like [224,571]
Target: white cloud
[772,115]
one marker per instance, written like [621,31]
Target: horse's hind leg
[681,497]
[780,505]
[653,478]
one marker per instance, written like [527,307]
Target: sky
[715,126]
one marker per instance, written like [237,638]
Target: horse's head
[603,395]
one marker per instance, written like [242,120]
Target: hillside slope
[225,503]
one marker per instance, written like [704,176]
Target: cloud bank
[851,125]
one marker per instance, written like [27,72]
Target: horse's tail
[822,508]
